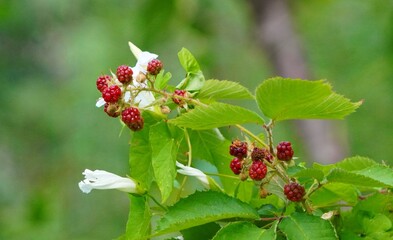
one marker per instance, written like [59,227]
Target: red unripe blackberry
[111,94]
[238,149]
[258,154]
[124,74]
[181,93]
[294,191]
[284,151]
[257,170]
[112,109]
[154,66]
[132,118]
[236,165]
[102,82]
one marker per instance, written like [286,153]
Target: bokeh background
[52,52]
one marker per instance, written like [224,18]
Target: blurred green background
[53,51]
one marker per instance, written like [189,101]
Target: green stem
[243,129]
[156,202]
[222,175]
[189,160]
[306,206]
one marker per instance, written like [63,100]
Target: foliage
[240,207]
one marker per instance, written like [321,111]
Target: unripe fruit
[112,109]
[294,192]
[124,74]
[181,93]
[102,82]
[154,66]
[284,151]
[257,170]
[236,165]
[111,94]
[238,149]
[132,118]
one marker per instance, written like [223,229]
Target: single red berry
[132,118]
[284,151]
[258,154]
[268,156]
[294,191]
[154,66]
[111,94]
[257,170]
[124,74]
[102,82]
[236,165]
[112,109]
[181,93]
[238,149]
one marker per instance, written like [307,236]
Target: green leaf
[162,80]
[201,208]
[350,164]
[205,231]
[309,173]
[138,224]
[283,98]
[342,176]
[307,227]
[188,61]
[140,151]
[216,89]
[164,148]
[194,79]
[216,115]
[244,231]
[332,193]
[376,176]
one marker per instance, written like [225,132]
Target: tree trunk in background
[279,41]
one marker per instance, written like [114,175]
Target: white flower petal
[100,102]
[193,172]
[135,50]
[127,96]
[100,179]
[144,99]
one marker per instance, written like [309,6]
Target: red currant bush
[284,151]
[132,118]
[294,192]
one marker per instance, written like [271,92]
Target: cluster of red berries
[257,170]
[180,93]
[113,93]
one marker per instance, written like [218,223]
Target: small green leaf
[162,80]
[138,225]
[201,208]
[216,89]
[283,98]
[332,193]
[164,150]
[380,173]
[188,61]
[307,227]
[244,231]
[194,78]
[205,231]
[216,115]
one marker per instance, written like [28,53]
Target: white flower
[99,179]
[100,102]
[193,172]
